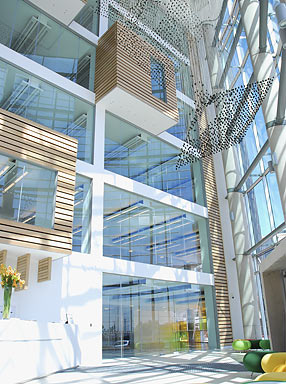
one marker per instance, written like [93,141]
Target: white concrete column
[82,301]
[263,67]
[103,17]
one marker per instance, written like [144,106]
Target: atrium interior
[142,189]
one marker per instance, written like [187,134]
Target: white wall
[32,349]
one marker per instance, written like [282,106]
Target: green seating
[252,360]
[241,345]
[254,343]
[264,344]
[245,344]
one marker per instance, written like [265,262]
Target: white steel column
[241,285]
[241,238]
[263,67]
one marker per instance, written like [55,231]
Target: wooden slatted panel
[3,256]
[118,53]
[23,267]
[44,269]
[216,240]
[220,276]
[26,140]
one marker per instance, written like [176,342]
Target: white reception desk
[30,349]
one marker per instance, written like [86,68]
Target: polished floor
[212,367]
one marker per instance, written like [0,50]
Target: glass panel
[259,212]
[248,148]
[275,199]
[158,84]
[27,192]
[89,16]
[133,153]
[42,103]
[142,230]
[186,113]
[82,215]
[144,316]
[182,75]
[261,128]
[27,31]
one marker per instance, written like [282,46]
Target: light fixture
[77,229]
[4,169]
[79,122]
[22,96]
[78,202]
[280,10]
[132,207]
[130,144]
[29,218]
[15,182]
[32,34]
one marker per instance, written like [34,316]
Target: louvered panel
[216,240]
[23,267]
[26,140]
[44,269]
[222,298]
[3,256]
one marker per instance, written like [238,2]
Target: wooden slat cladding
[220,276]
[23,267]
[216,240]
[118,57]
[32,142]
[3,256]
[44,269]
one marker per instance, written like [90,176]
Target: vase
[7,302]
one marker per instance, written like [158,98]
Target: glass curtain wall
[142,230]
[27,192]
[144,316]
[42,103]
[133,153]
[261,195]
[82,215]
[260,189]
[27,31]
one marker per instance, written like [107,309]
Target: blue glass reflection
[82,215]
[42,103]
[135,154]
[132,306]
[33,34]
[146,231]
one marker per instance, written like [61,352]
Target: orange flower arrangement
[10,277]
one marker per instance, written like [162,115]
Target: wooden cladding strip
[222,298]
[216,240]
[3,256]
[44,269]
[120,57]
[23,267]
[32,142]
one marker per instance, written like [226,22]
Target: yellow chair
[274,362]
[272,377]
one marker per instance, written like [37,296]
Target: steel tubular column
[263,67]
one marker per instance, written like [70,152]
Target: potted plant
[10,279]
